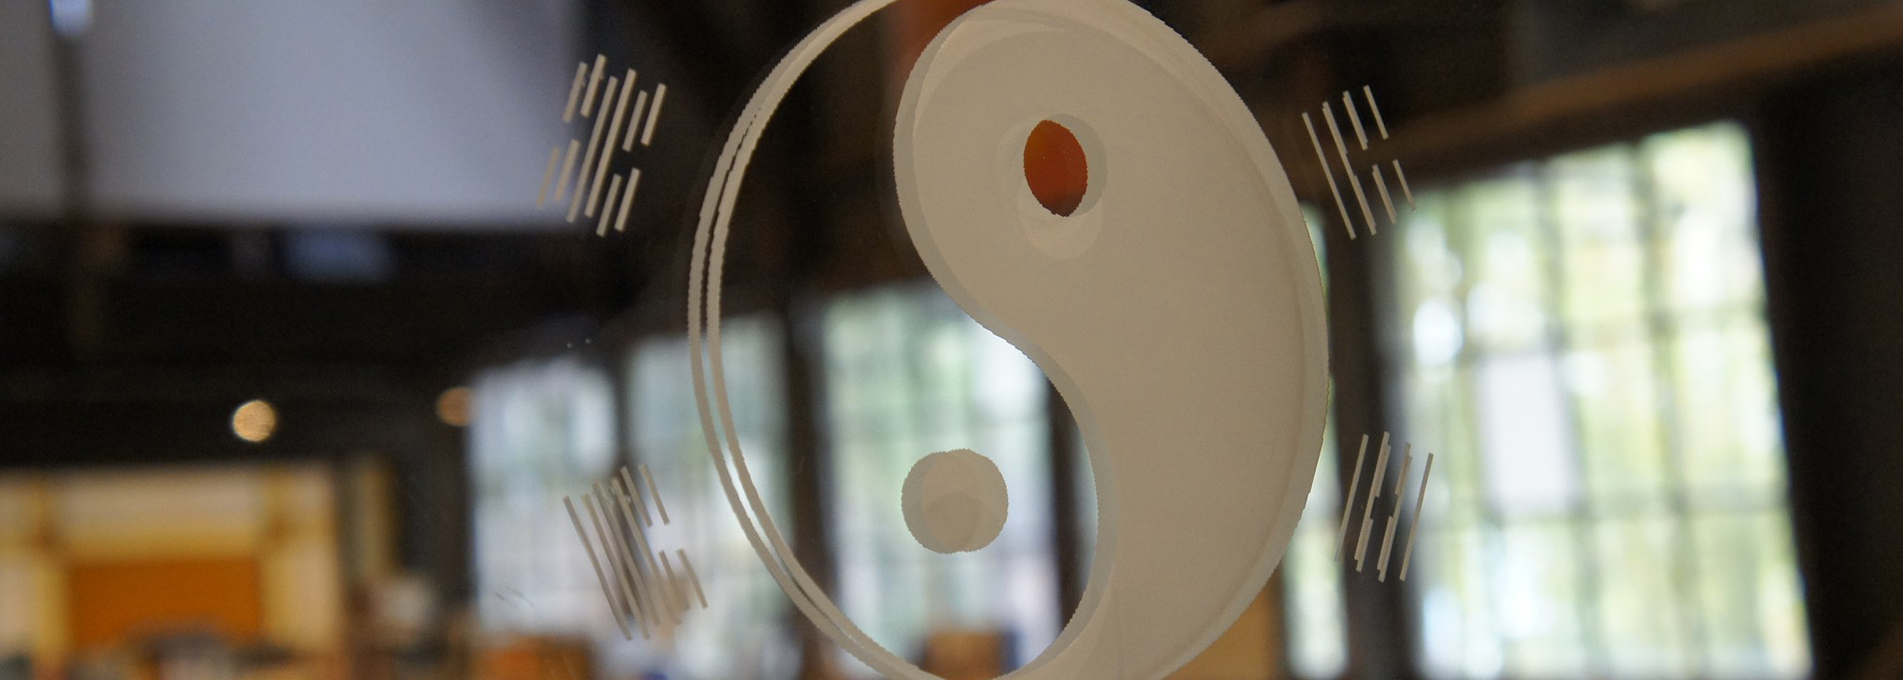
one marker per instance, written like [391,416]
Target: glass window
[1585,346]
[742,633]
[909,374]
[541,430]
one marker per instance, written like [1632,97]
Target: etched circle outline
[704,313]
[704,278]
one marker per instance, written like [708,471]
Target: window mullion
[1559,340]
[1460,240]
[1661,330]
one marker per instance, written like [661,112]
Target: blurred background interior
[294,375]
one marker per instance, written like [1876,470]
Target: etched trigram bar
[1347,166]
[639,587]
[1394,512]
[580,178]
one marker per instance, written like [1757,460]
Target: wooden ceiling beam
[1595,107]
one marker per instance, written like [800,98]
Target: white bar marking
[607,150]
[574,92]
[1387,542]
[606,537]
[1402,178]
[1353,183]
[594,80]
[1414,525]
[627,198]
[596,563]
[1348,504]
[626,551]
[1376,108]
[1387,201]
[635,491]
[634,120]
[1367,514]
[656,493]
[1394,517]
[1336,192]
[643,582]
[679,600]
[548,175]
[607,209]
[647,553]
[588,160]
[617,558]
[654,114]
[1354,116]
[568,168]
[692,577]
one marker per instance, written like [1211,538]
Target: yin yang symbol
[1177,307]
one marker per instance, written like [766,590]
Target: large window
[742,633]
[908,374]
[541,430]
[1584,344]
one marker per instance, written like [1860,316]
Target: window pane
[1600,235]
[1460,633]
[1752,614]
[1540,604]
[1500,233]
[1441,410]
[1728,421]
[1431,267]
[1643,619]
[1704,200]
[1585,345]
[1613,387]
[1524,431]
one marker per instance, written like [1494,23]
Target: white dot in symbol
[954,501]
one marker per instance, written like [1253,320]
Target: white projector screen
[419,112]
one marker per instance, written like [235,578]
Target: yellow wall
[90,557]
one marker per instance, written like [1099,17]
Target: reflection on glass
[1588,352]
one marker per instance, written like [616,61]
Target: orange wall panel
[120,601]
